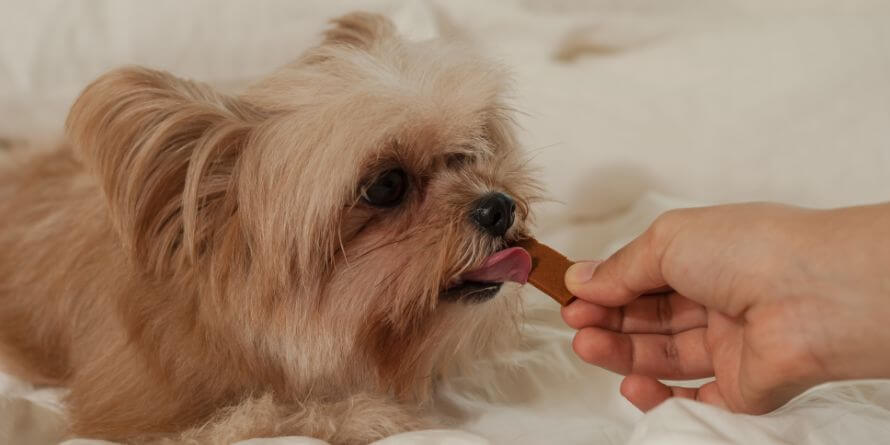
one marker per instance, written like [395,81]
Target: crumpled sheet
[625,104]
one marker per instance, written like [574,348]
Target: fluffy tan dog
[305,258]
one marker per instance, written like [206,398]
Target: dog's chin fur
[200,266]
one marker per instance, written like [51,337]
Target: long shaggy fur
[200,267]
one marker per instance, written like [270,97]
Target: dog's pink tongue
[513,264]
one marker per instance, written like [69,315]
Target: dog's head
[350,215]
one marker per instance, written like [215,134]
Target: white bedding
[701,101]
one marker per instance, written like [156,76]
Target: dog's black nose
[494,213]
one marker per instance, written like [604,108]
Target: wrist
[857,300]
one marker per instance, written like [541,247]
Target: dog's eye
[457,160]
[388,189]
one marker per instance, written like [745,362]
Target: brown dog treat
[548,270]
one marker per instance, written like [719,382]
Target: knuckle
[671,355]
[665,225]
[664,312]
[670,351]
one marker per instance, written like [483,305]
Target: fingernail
[581,272]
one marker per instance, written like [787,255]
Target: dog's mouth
[482,283]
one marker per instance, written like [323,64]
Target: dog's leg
[358,419]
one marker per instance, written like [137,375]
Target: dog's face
[350,215]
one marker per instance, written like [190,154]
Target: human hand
[769,299]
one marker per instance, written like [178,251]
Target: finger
[710,393]
[668,313]
[679,356]
[628,273]
[657,314]
[646,392]
[579,314]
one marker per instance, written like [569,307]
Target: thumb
[580,274]
[630,272]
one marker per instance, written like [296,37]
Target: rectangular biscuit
[548,270]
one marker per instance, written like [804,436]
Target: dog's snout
[493,213]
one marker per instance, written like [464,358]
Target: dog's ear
[164,150]
[359,29]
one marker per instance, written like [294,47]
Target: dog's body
[295,260]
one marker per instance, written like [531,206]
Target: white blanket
[627,103]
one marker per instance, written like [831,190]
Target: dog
[307,257]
